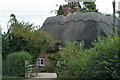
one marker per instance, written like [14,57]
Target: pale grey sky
[36,11]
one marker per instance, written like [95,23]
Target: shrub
[102,61]
[16,63]
[48,69]
[70,61]
[4,67]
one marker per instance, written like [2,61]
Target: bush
[4,67]
[101,62]
[70,62]
[48,69]
[104,62]
[16,63]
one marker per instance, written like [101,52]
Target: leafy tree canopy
[24,36]
[87,7]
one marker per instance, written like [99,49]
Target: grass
[12,78]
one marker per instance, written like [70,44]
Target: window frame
[40,60]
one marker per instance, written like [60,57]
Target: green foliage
[108,14]
[88,7]
[25,37]
[105,62]
[4,67]
[16,63]
[38,40]
[73,60]
[12,78]
[48,69]
[10,43]
[60,11]
[101,62]
[84,11]
[65,61]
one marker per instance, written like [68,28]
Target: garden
[25,42]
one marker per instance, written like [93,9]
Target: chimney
[68,4]
[68,10]
[76,8]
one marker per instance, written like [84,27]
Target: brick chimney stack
[68,10]
[68,4]
[76,8]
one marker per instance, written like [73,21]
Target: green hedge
[104,62]
[12,78]
[16,63]
[101,62]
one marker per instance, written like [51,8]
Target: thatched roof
[80,26]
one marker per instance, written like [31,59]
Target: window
[40,62]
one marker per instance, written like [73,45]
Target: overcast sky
[36,11]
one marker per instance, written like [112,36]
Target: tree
[38,39]
[10,43]
[60,11]
[88,7]
[24,37]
